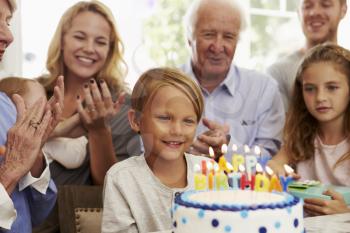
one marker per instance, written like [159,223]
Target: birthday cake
[237,211]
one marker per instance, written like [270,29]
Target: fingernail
[92,80]
[101,81]
[86,85]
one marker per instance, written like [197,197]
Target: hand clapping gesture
[100,107]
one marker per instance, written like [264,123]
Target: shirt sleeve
[41,204]
[271,120]
[8,212]
[40,184]
[117,216]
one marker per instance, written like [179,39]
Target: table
[336,223]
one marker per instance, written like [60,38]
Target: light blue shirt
[32,206]
[250,103]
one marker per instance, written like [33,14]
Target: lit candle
[204,167]
[286,180]
[220,179]
[200,180]
[222,159]
[237,159]
[210,176]
[275,184]
[262,183]
[246,149]
[245,182]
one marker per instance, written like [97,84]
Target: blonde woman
[87,49]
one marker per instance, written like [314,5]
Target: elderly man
[26,191]
[238,102]
[319,20]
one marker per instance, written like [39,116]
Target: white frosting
[239,197]
[197,212]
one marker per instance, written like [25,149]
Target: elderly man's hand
[24,141]
[214,137]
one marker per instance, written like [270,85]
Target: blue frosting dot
[201,213]
[215,222]
[262,230]
[296,222]
[277,225]
[184,220]
[289,210]
[244,213]
[175,224]
[228,229]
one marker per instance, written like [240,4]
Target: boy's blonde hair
[301,127]
[15,85]
[114,69]
[152,80]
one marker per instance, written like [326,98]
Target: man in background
[241,103]
[319,20]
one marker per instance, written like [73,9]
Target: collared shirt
[33,198]
[250,103]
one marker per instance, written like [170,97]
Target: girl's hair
[113,71]
[301,127]
[15,85]
[152,80]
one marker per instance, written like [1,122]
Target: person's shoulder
[126,166]
[6,104]
[252,76]
[285,61]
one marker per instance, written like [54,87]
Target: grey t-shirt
[284,72]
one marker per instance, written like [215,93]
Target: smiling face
[215,38]
[167,124]
[86,45]
[320,19]
[5,34]
[326,92]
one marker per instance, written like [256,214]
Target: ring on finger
[34,124]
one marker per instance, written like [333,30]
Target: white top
[69,152]
[135,200]
[8,212]
[321,166]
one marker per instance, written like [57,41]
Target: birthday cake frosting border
[183,200]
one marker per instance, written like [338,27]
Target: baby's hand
[318,206]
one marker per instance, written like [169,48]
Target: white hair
[191,16]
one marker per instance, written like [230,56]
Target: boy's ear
[134,120]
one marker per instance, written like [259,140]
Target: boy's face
[168,124]
[34,92]
[320,19]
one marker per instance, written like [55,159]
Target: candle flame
[241,168]
[229,166]
[269,170]
[288,169]
[197,168]
[257,150]
[234,148]
[211,152]
[246,149]
[224,148]
[258,168]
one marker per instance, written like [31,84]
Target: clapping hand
[100,107]
[214,137]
